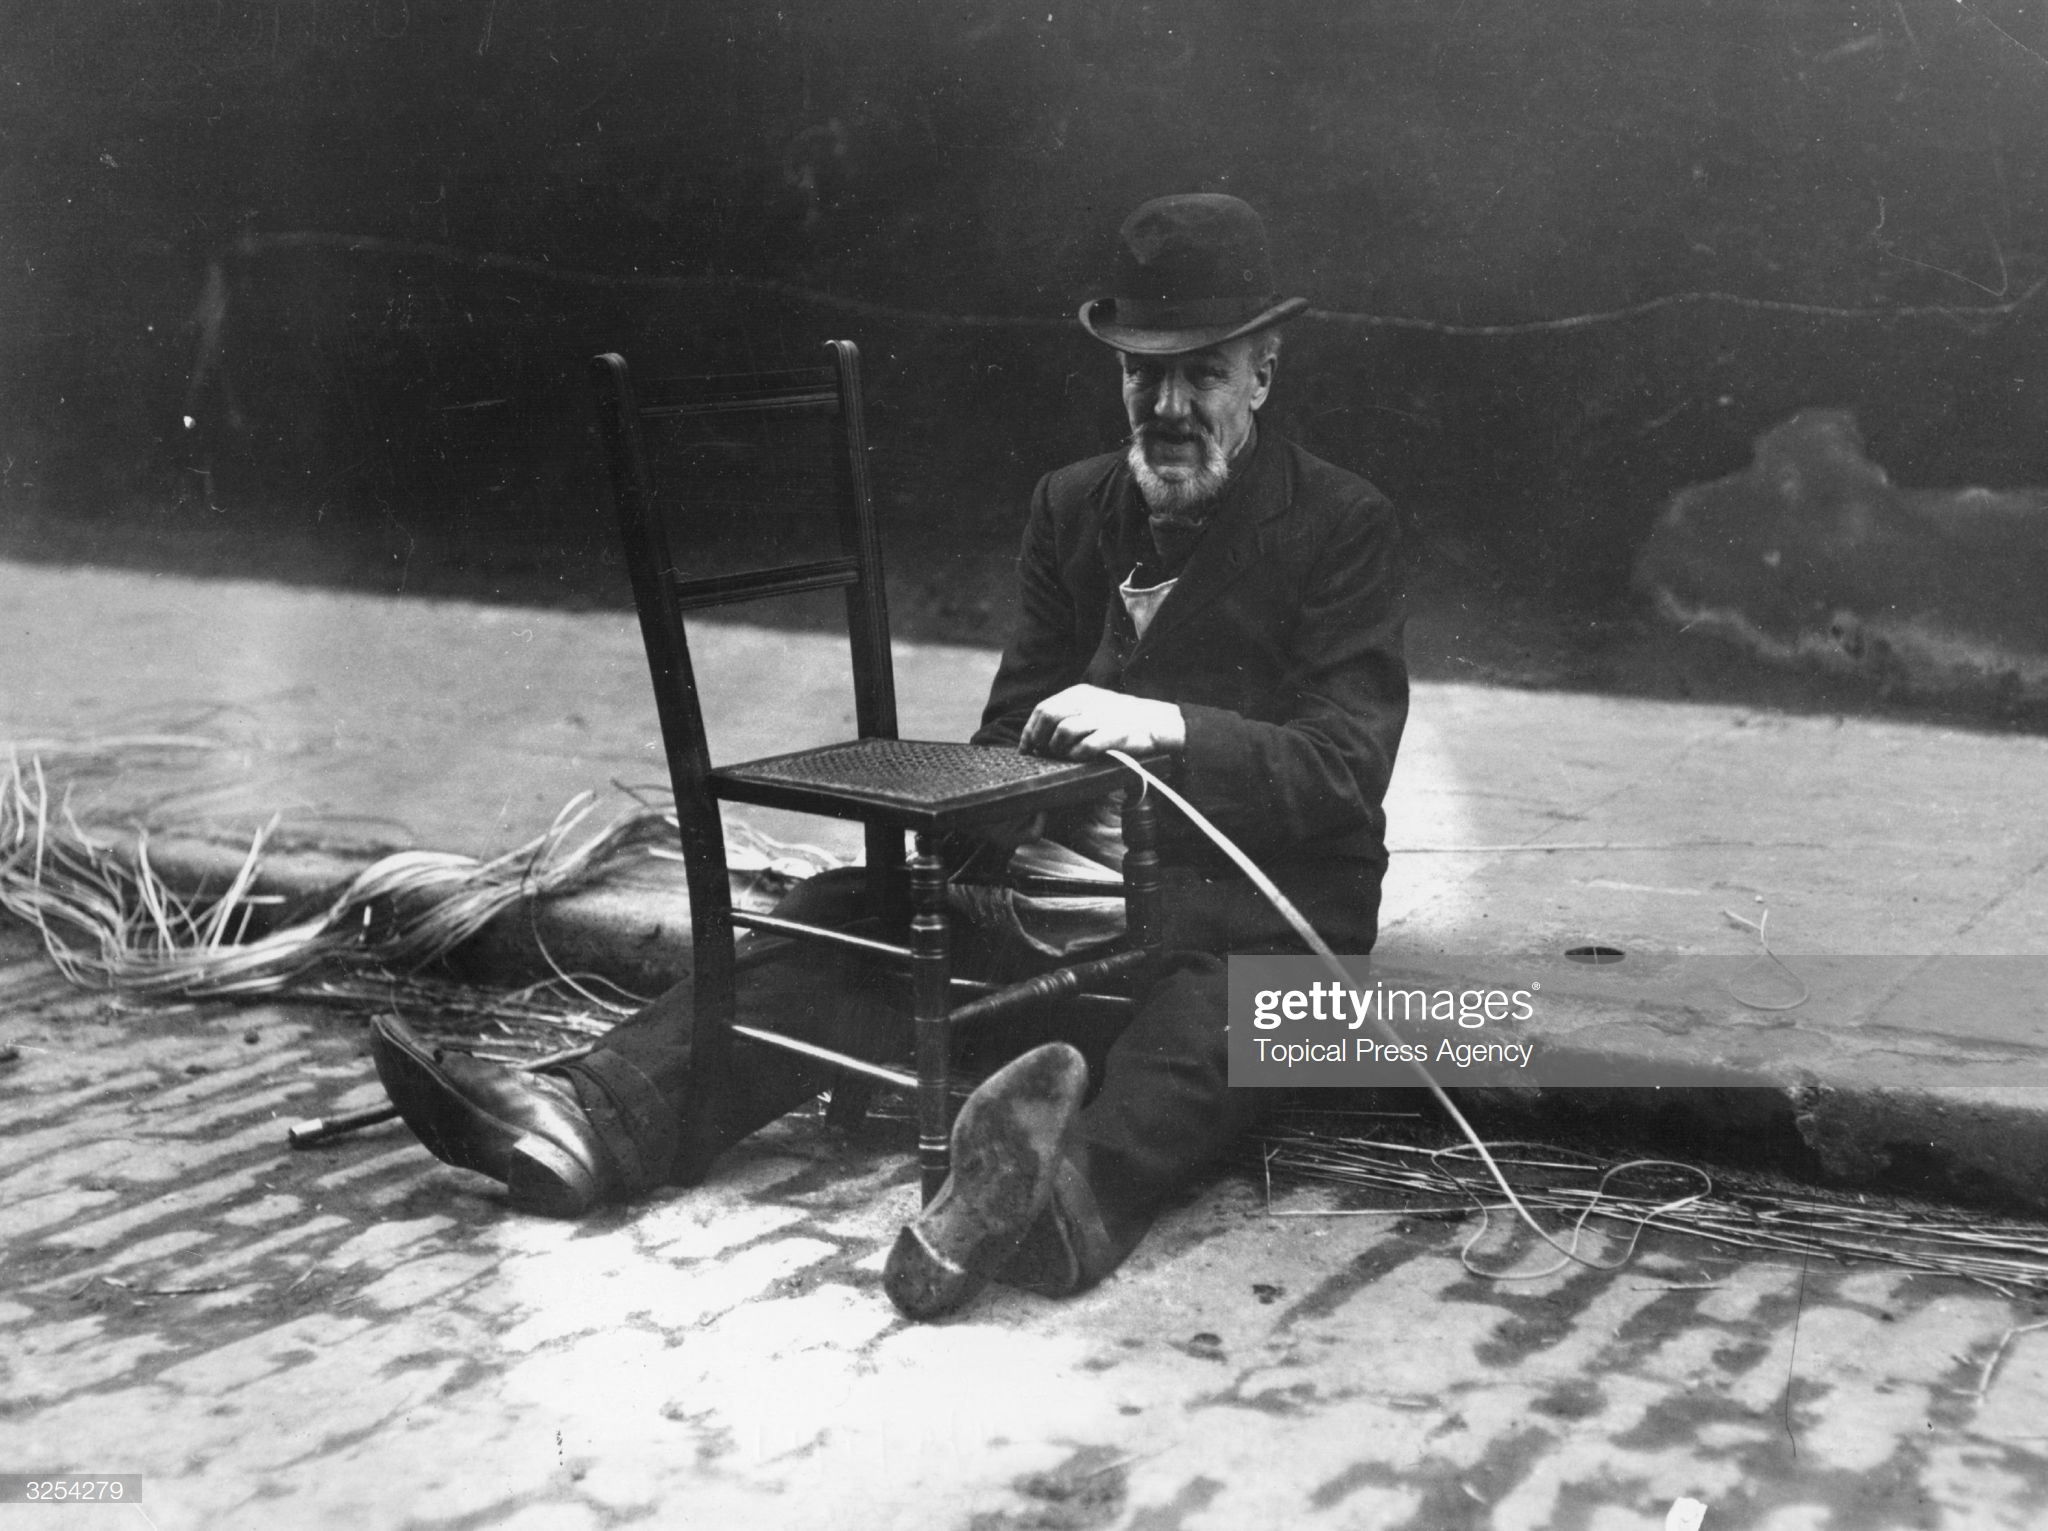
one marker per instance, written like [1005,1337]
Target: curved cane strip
[1284,906]
[1763,939]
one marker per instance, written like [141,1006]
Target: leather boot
[1008,1146]
[1068,1247]
[526,1131]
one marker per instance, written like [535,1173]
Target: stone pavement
[361,1337]
[1523,823]
[358,1337]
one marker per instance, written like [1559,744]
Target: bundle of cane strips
[1733,1209]
[109,920]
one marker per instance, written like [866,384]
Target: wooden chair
[888,784]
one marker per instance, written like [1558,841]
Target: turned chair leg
[848,1104]
[853,1093]
[930,967]
[1144,914]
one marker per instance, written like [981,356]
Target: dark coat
[1281,643]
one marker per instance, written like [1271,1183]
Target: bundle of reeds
[1395,1171]
[110,921]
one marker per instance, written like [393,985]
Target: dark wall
[364,245]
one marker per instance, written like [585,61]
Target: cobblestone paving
[359,1337]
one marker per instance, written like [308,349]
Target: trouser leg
[634,1084]
[1165,1112]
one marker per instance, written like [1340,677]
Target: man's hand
[1083,721]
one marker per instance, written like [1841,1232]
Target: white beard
[1182,500]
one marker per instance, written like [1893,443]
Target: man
[1213,595]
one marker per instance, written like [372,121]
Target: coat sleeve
[1312,760]
[1047,651]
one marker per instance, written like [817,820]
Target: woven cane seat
[918,783]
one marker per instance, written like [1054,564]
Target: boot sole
[999,1184]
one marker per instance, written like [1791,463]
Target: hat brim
[1097,318]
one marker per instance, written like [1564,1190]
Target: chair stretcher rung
[979,987]
[826,1055]
[759,584]
[1067,887]
[1046,986]
[747,920]
[774,951]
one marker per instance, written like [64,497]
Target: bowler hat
[1191,272]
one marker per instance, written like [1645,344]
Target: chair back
[715,467]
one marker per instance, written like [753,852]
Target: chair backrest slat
[755,392]
[760,584]
[686,410]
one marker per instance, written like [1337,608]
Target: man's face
[1187,411]
[1189,416]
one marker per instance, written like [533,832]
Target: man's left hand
[1083,721]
